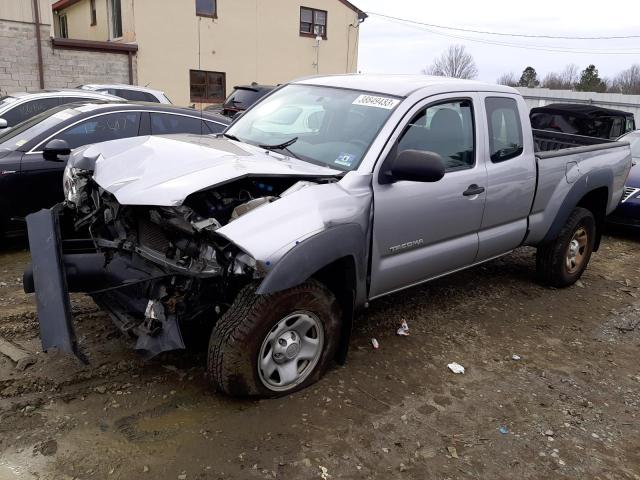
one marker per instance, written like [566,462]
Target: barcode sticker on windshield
[376,101]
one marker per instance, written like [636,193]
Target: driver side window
[102,128]
[446,129]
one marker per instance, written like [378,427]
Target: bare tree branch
[508,79]
[454,62]
[627,81]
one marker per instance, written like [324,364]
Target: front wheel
[272,345]
[562,262]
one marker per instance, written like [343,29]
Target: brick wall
[62,68]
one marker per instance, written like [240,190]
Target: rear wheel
[562,262]
[272,345]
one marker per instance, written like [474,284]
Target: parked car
[273,239]
[242,97]
[18,107]
[628,212]
[581,119]
[129,92]
[33,153]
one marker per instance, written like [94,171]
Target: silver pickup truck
[329,193]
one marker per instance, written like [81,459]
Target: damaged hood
[163,171]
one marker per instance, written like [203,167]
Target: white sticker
[376,101]
[19,143]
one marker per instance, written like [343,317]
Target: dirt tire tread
[231,332]
[550,257]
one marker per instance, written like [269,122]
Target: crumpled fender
[295,236]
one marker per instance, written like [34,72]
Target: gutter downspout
[130,68]
[36,12]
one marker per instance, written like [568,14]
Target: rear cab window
[505,128]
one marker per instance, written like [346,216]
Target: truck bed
[548,140]
[568,170]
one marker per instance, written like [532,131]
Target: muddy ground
[569,407]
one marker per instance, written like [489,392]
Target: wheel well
[596,202]
[340,277]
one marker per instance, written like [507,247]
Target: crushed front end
[156,270]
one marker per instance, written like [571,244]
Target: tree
[628,81]
[590,81]
[565,80]
[508,79]
[454,62]
[552,80]
[529,78]
[569,76]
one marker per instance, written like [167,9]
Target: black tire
[551,259]
[238,336]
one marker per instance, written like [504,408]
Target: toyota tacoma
[327,194]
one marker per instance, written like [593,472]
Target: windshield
[25,131]
[334,127]
[634,140]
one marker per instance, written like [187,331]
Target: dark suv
[243,97]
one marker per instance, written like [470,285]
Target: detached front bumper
[47,276]
[118,286]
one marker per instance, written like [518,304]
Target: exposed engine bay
[171,265]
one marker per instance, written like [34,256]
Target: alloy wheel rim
[290,351]
[576,251]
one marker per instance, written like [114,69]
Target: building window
[94,16]
[64,30]
[116,18]
[206,8]
[313,22]
[207,87]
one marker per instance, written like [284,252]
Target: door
[43,179]
[423,230]
[511,171]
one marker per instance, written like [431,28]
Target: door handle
[473,190]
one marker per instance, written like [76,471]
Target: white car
[18,107]
[129,92]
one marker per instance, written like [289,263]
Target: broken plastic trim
[50,283]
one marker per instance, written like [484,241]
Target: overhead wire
[546,48]
[505,34]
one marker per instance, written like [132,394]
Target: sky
[393,47]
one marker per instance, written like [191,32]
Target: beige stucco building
[197,50]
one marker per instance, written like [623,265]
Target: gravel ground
[565,406]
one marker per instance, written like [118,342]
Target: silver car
[18,107]
[129,92]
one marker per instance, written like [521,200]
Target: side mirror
[3,123]
[237,115]
[55,149]
[414,166]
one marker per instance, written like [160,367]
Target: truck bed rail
[547,140]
